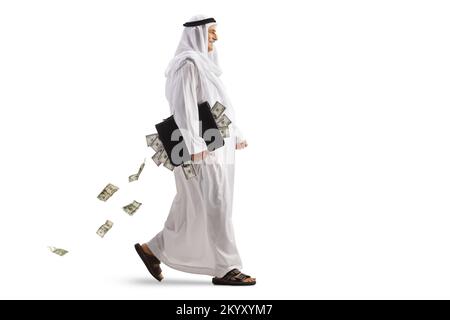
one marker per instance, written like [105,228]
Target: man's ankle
[147,249]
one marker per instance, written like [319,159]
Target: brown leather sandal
[234,278]
[151,262]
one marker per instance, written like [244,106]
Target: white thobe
[198,234]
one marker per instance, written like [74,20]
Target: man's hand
[241,145]
[199,156]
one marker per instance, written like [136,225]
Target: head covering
[194,46]
[198,22]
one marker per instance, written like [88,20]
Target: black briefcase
[175,146]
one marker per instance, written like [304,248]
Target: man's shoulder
[188,63]
[184,66]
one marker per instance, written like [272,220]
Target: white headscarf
[194,46]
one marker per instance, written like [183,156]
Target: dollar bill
[135,176]
[58,251]
[223,121]
[169,165]
[188,170]
[157,157]
[107,192]
[157,144]
[104,228]
[217,110]
[151,138]
[225,132]
[132,207]
[163,157]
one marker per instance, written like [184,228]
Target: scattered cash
[151,138]
[105,228]
[58,251]
[132,207]
[107,192]
[157,144]
[163,157]
[189,170]
[223,121]
[225,132]
[157,157]
[135,177]
[217,110]
[169,165]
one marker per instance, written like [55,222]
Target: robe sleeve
[186,109]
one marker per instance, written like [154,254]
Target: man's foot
[147,249]
[150,260]
[234,278]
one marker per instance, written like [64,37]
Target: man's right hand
[199,156]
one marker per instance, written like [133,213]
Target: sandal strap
[241,276]
[231,274]
[152,259]
[154,262]
[235,275]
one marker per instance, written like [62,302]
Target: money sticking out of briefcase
[172,139]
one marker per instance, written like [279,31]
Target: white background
[342,193]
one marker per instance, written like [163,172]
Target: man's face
[212,36]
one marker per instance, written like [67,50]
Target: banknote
[104,228]
[223,121]
[163,157]
[135,176]
[157,157]
[225,132]
[132,207]
[217,110]
[188,170]
[107,192]
[157,144]
[169,165]
[151,138]
[58,251]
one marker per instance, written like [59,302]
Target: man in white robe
[198,234]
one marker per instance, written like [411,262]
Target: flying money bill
[132,207]
[223,121]
[157,157]
[104,228]
[58,251]
[188,170]
[135,177]
[151,138]
[107,192]
[163,157]
[225,132]
[157,144]
[169,165]
[217,110]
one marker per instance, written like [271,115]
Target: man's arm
[186,110]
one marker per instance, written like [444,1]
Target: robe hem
[196,270]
